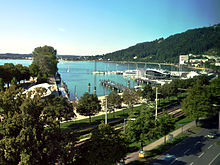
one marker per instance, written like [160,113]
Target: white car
[211,135]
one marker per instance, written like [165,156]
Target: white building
[192,74]
[183,59]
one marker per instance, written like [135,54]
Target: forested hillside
[196,41]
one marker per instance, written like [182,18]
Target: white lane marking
[186,151]
[214,159]
[196,143]
[173,161]
[210,146]
[201,154]
[191,163]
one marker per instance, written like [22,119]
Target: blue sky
[92,27]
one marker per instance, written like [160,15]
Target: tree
[45,60]
[142,128]
[114,101]
[130,97]
[34,70]
[42,78]
[197,103]
[8,73]
[88,105]
[14,81]
[30,131]
[165,123]
[214,89]
[106,146]
[1,85]
[148,93]
[22,72]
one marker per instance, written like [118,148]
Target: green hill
[204,40]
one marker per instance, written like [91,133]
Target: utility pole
[106,108]
[156,105]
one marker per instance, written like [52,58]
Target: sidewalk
[134,156]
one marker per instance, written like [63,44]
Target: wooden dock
[113,85]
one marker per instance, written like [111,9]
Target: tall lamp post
[106,109]
[156,104]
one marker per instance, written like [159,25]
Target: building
[183,59]
[157,74]
[198,60]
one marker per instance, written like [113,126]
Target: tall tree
[130,97]
[197,103]
[30,131]
[214,89]
[88,105]
[114,101]
[45,59]
[106,146]
[165,123]
[34,70]
[142,128]
[148,92]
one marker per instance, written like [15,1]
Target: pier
[113,85]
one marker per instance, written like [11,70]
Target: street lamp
[181,126]
[106,109]
[156,103]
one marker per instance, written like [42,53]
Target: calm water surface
[80,74]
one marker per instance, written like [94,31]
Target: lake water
[80,74]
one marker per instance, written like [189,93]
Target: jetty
[113,85]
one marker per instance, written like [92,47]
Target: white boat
[68,69]
[98,72]
[130,73]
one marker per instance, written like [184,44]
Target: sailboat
[68,69]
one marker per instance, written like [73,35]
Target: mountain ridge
[205,40]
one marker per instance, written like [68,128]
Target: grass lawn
[96,120]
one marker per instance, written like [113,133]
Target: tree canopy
[198,102]
[106,146]
[29,130]
[130,97]
[8,71]
[88,105]
[114,101]
[45,59]
[148,93]
[142,128]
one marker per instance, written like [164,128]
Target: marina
[78,74]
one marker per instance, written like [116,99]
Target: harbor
[78,74]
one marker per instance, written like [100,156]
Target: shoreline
[140,62]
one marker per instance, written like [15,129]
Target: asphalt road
[195,150]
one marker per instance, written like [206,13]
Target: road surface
[195,150]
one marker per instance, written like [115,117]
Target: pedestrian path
[134,156]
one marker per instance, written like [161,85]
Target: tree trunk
[197,122]
[142,148]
